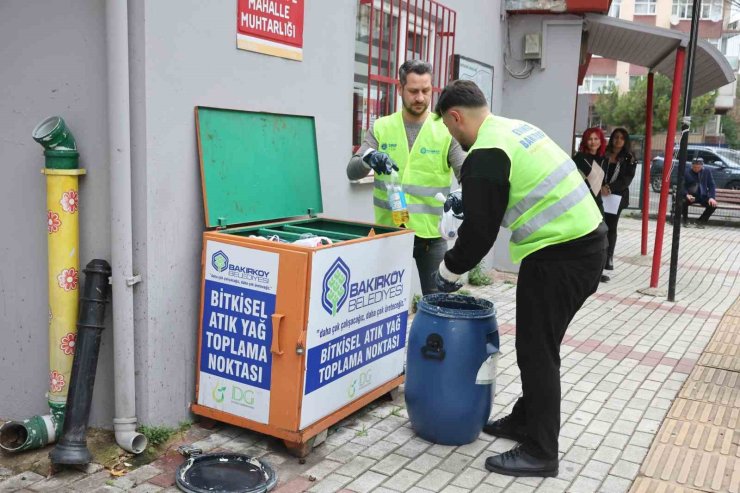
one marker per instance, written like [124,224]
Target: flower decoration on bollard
[54,222]
[67,344]
[56,381]
[68,279]
[69,201]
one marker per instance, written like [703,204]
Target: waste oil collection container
[451,368]
[293,337]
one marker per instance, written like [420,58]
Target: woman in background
[591,153]
[619,170]
[590,162]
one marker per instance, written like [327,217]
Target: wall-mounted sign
[272,27]
[479,72]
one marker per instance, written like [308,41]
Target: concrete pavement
[626,361]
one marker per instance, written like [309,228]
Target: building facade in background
[718,26]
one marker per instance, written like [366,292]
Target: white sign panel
[478,72]
[357,319]
[236,330]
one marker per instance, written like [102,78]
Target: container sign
[236,330]
[357,319]
[272,27]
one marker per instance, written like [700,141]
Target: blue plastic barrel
[449,390]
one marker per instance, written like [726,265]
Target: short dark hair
[463,93]
[418,67]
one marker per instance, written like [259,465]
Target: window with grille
[710,9]
[644,7]
[389,32]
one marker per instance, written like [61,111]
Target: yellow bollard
[62,201]
[62,204]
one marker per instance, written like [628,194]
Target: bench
[725,197]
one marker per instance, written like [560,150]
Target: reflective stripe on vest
[418,190]
[555,210]
[423,171]
[543,188]
[413,208]
[549,203]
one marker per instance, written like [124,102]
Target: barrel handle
[434,349]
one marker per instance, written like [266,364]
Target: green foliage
[628,109]
[730,129]
[157,435]
[464,292]
[397,412]
[414,302]
[362,432]
[477,277]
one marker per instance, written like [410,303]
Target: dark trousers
[428,253]
[708,210]
[548,295]
[611,221]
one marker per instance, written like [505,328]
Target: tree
[729,129]
[628,109]
[731,123]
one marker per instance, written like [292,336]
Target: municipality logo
[220,261]
[218,392]
[335,287]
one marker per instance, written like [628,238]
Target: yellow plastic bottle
[397,201]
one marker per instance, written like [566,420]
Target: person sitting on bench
[699,189]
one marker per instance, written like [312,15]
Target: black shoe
[700,224]
[609,263]
[517,462]
[605,278]
[505,428]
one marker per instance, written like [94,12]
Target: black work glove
[443,284]
[454,202]
[380,162]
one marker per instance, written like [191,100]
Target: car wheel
[733,185]
[655,183]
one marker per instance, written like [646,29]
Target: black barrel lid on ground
[225,473]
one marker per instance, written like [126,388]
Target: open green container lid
[256,166]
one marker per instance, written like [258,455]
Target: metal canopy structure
[661,51]
[655,48]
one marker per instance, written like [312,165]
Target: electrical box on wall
[532,46]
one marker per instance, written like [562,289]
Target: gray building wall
[52,56]
[547,97]
[183,54]
[196,63]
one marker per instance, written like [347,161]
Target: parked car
[724,164]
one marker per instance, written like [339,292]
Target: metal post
[646,163]
[683,151]
[72,447]
[667,164]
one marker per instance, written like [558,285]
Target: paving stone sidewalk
[625,358]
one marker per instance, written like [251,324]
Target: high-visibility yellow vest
[549,203]
[423,172]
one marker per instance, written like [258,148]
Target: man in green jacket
[425,156]
[515,176]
